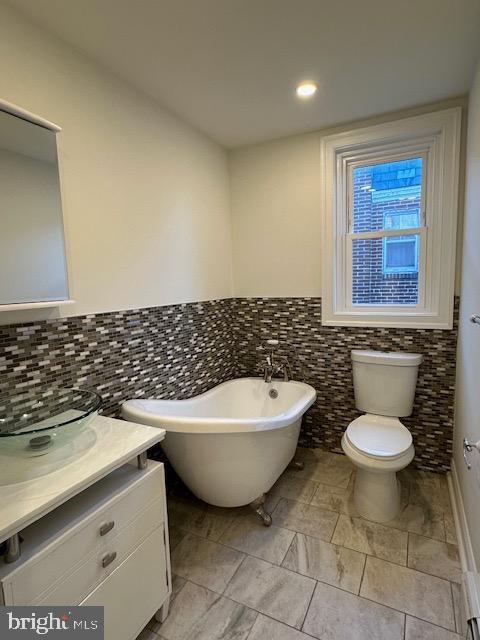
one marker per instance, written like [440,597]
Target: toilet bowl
[377,443]
[379,447]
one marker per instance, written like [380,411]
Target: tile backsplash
[178,351]
[321,356]
[175,351]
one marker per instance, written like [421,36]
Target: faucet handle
[272,343]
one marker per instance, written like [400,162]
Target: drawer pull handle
[106,527]
[108,559]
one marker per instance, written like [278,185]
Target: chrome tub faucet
[271,367]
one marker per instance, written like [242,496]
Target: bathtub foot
[257,506]
[297,464]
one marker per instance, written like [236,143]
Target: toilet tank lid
[387,357]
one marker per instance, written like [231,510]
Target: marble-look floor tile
[429,490]
[326,562]
[177,585]
[327,471]
[147,634]
[204,562]
[287,486]
[233,513]
[420,630]
[304,518]
[412,475]
[337,615]
[251,536]
[196,518]
[450,531]
[423,521]
[268,629]
[175,536]
[303,454]
[319,455]
[274,591]
[418,594]
[335,499]
[201,614]
[432,556]
[372,538]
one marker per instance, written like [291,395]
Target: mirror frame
[19,112]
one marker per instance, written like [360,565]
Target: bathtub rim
[224,425]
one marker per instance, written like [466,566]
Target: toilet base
[377,496]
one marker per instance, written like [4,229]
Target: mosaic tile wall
[179,351]
[174,351]
[321,356]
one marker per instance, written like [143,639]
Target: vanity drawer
[76,585]
[124,507]
[137,586]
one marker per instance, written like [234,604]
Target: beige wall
[467,418]
[146,197]
[275,189]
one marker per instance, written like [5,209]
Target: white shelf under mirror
[20,306]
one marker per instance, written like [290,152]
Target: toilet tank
[384,382]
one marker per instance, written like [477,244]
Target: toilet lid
[379,436]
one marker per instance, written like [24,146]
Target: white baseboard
[465,548]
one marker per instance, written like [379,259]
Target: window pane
[383,192]
[400,254]
[385,270]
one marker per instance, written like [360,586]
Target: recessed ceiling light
[306,89]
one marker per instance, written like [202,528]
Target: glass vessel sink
[35,422]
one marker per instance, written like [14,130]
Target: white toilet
[377,443]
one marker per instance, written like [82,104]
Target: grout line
[433,624]
[266,615]
[405,613]
[295,538]
[363,574]
[453,606]
[335,529]
[309,605]
[254,623]
[286,528]
[408,550]
[245,556]
[303,575]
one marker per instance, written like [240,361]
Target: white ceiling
[229,67]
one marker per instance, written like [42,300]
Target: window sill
[392,322]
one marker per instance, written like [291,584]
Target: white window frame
[434,136]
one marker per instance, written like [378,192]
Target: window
[400,253]
[389,214]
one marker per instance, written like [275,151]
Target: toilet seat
[379,437]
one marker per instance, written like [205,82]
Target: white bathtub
[230,444]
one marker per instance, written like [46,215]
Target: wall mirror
[33,270]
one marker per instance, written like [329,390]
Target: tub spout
[258,506]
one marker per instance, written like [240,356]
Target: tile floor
[320,570]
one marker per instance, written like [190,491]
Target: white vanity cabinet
[106,546]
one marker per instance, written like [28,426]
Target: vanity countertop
[32,487]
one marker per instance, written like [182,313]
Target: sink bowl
[36,422]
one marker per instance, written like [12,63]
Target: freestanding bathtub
[230,444]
